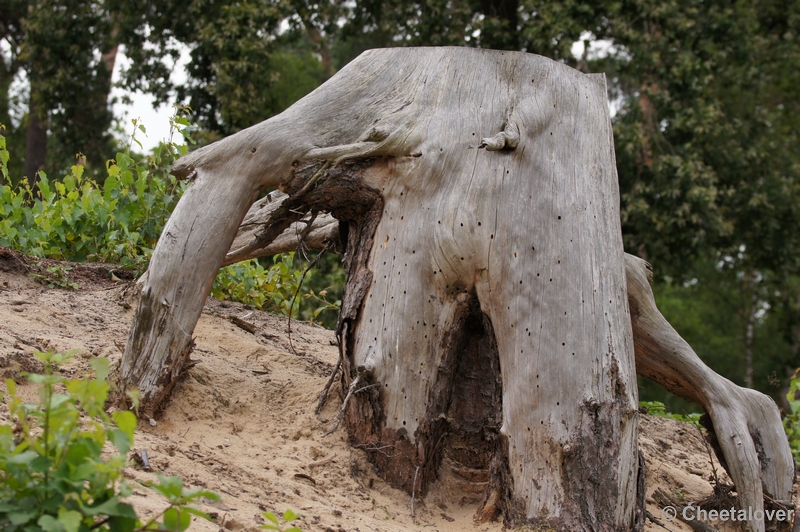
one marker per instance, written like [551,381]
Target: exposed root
[350,391]
[414,491]
[323,395]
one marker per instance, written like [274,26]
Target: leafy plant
[275,524]
[120,220]
[54,477]
[791,420]
[77,218]
[56,277]
[321,303]
[657,408]
[271,289]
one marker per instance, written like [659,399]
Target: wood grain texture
[745,424]
[479,209]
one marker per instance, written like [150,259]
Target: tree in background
[248,60]
[705,141]
[66,50]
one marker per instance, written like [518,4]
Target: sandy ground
[242,421]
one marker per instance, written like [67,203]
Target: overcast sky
[155,120]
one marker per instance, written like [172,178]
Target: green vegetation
[78,219]
[56,277]
[275,289]
[657,408]
[55,477]
[791,421]
[275,523]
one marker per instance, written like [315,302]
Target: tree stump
[485,313]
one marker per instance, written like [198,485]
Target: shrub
[658,409]
[54,477]
[276,289]
[791,420]
[119,220]
[79,219]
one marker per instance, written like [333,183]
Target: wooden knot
[506,139]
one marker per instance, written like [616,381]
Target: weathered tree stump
[486,308]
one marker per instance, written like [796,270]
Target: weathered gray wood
[313,233]
[486,293]
[737,414]
[746,423]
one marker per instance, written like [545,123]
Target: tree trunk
[748,418]
[485,315]
[512,244]
[750,289]
[35,140]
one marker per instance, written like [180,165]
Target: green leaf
[24,458]
[176,520]
[48,523]
[70,519]
[112,506]
[20,518]
[100,366]
[121,440]
[169,487]
[198,513]
[125,420]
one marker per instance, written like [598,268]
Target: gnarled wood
[757,458]
[746,423]
[311,233]
[500,256]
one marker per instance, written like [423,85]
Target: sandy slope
[242,421]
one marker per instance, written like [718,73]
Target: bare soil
[242,423]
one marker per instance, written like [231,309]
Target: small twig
[323,395]
[245,325]
[340,415]
[710,456]
[414,491]
[296,292]
[306,477]
[100,523]
[301,237]
[374,448]
[326,461]
[145,460]
[652,518]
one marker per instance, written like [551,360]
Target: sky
[141,108]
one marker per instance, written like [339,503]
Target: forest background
[705,95]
